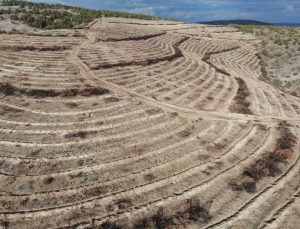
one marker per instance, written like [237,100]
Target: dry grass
[87,92]
[10,90]
[109,225]
[7,89]
[132,38]
[40,93]
[193,211]
[33,48]
[269,164]
[241,104]
[178,53]
[80,134]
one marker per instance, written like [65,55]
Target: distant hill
[288,24]
[239,22]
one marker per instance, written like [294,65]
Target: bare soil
[144,124]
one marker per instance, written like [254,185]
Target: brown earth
[144,124]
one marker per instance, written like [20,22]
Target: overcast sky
[201,10]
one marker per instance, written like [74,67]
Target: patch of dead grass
[269,164]
[241,104]
[8,89]
[192,211]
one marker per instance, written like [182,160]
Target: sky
[273,11]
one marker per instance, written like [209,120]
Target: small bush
[87,92]
[241,104]
[265,52]
[110,225]
[41,93]
[268,165]
[49,180]
[7,89]
[123,204]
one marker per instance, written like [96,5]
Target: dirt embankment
[134,38]
[9,90]
[207,55]
[33,48]
[178,53]
[241,104]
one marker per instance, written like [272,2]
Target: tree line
[59,16]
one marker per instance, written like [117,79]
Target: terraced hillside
[144,124]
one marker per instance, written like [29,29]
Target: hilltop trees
[58,16]
[27,18]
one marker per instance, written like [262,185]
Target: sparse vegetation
[277,51]
[241,104]
[178,53]
[80,134]
[32,48]
[269,164]
[194,212]
[49,180]
[9,90]
[89,91]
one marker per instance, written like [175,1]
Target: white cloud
[199,10]
[289,8]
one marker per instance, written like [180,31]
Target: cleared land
[144,124]
[279,55]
